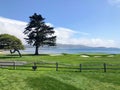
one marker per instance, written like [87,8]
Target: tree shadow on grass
[9,56]
[48,83]
[35,55]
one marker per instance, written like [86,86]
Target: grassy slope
[61,80]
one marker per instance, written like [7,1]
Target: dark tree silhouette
[38,33]
[11,43]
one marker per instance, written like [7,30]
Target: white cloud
[67,33]
[64,35]
[12,27]
[96,42]
[49,24]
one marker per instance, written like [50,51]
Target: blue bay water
[71,50]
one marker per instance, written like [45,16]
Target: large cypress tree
[38,33]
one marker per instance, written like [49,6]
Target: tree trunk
[19,53]
[36,50]
[12,51]
[15,51]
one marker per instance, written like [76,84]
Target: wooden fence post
[80,67]
[105,68]
[56,66]
[14,66]
[34,67]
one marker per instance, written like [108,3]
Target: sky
[93,23]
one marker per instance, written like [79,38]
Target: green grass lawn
[49,79]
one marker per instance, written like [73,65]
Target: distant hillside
[62,46]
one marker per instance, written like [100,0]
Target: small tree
[38,33]
[10,42]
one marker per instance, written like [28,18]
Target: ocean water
[71,50]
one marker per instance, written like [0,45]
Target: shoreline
[83,55]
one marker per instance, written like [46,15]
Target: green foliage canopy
[10,42]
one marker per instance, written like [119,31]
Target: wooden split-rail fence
[59,66]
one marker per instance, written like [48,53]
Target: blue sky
[94,20]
